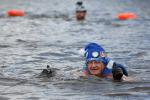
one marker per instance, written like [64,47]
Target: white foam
[81,52]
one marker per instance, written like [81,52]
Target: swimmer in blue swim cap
[98,64]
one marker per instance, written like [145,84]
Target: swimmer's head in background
[79,3]
[95,52]
[80,8]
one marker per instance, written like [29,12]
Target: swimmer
[80,11]
[98,64]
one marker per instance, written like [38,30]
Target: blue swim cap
[95,52]
[94,45]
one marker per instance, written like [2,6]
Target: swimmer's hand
[117,73]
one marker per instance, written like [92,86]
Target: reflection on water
[49,34]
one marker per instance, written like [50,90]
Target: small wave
[139,54]
[21,41]
[4,46]
[118,94]
[54,15]
[4,98]
[138,89]
[6,81]
[2,16]
[51,54]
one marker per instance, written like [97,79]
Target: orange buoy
[126,16]
[15,12]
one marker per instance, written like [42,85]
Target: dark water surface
[49,34]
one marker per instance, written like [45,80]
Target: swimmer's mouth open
[94,68]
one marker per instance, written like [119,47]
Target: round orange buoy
[15,12]
[126,15]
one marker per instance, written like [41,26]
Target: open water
[49,34]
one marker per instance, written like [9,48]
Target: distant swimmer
[80,11]
[98,64]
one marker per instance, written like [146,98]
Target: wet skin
[96,68]
[80,15]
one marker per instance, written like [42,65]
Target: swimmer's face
[95,67]
[80,14]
